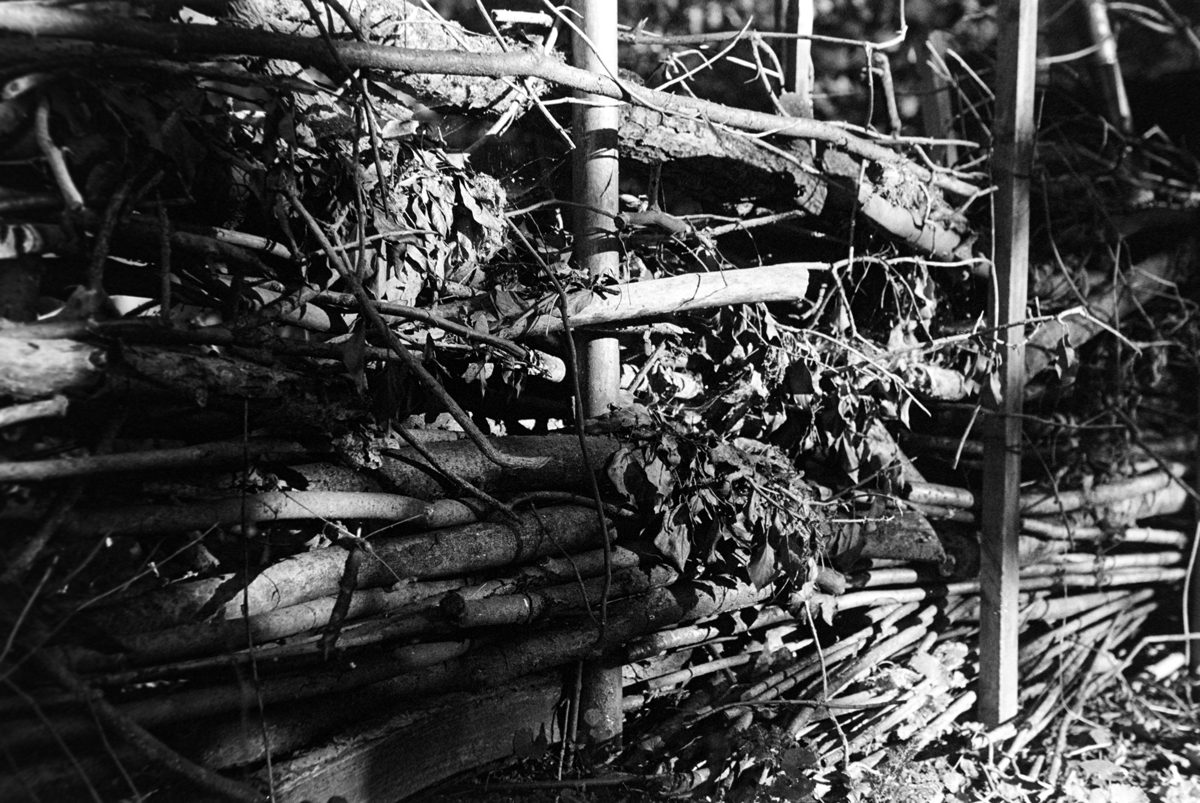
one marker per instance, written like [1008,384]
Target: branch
[540,363]
[54,156]
[269,507]
[183,41]
[686,293]
[137,736]
[54,407]
[187,457]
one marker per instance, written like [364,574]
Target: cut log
[523,608]
[437,740]
[898,534]
[1045,503]
[383,683]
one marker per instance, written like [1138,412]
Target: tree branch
[183,41]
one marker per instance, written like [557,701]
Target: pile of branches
[294,460]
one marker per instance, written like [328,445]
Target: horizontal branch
[446,552]
[1047,503]
[182,41]
[686,293]
[384,682]
[186,457]
[268,507]
[565,469]
[54,407]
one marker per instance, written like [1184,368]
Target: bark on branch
[686,293]
[183,41]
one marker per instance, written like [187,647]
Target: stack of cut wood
[294,479]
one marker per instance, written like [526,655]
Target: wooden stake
[1012,160]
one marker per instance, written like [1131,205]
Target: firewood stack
[294,481]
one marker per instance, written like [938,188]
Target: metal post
[596,186]
[594,129]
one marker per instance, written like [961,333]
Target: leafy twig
[410,362]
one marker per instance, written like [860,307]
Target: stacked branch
[291,432]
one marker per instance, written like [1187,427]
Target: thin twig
[112,213]
[246,529]
[461,482]
[63,746]
[71,195]
[144,742]
[164,263]
[564,309]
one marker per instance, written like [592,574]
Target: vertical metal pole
[594,129]
[596,186]
[1012,161]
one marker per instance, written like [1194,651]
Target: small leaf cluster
[718,509]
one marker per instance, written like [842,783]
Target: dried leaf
[672,541]
[762,566]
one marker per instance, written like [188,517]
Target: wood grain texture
[417,749]
[1012,161]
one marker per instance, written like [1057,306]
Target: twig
[164,263]
[564,309]
[486,447]
[209,454]
[54,155]
[246,529]
[346,588]
[112,212]
[708,62]
[464,484]
[62,745]
[145,743]
[568,498]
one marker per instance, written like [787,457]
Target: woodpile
[295,476]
